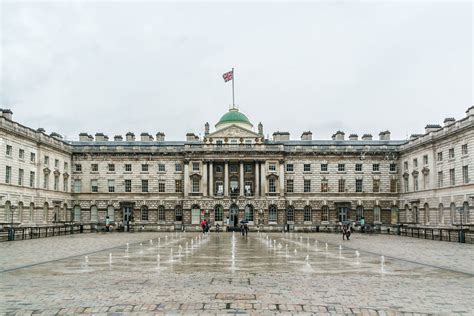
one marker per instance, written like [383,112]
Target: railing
[22,233]
[441,234]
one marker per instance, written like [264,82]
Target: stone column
[204,179]
[186,178]
[211,179]
[241,178]
[263,177]
[282,178]
[257,178]
[226,178]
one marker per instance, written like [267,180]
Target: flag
[228,76]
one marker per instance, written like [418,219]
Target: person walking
[207,227]
[203,226]
[246,229]
[218,228]
[348,232]
[362,224]
[107,223]
[344,232]
[227,224]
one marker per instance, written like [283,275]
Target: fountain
[326,247]
[295,251]
[86,259]
[382,263]
[110,257]
[151,242]
[141,245]
[166,237]
[127,246]
[306,258]
[340,251]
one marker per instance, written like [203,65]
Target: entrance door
[127,212]
[342,214]
[234,216]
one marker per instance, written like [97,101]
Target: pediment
[233,131]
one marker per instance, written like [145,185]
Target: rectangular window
[405,184]
[46,160]
[219,188]
[324,167]
[161,187]
[272,166]
[375,167]
[161,213]
[426,181]
[307,186]
[21,154]
[219,168]
[111,185]
[425,160]
[393,185]
[415,163]
[144,168]
[77,186]
[21,173]
[219,143]
[56,163]
[325,214]
[248,143]
[144,185]
[289,186]
[66,166]
[341,167]
[341,185]
[56,183]
[465,174]
[452,179]
[358,167]
[233,168]
[440,179]
[358,185]
[94,186]
[195,166]
[46,182]
[65,185]
[128,167]
[32,157]
[162,168]
[78,167]
[307,167]
[195,216]
[196,185]
[178,186]
[128,185]
[94,167]
[393,167]
[111,167]
[9,151]
[376,185]
[464,149]
[405,165]
[324,186]
[439,156]
[272,214]
[178,167]
[248,168]
[289,167]
[8,175]
[377,214]
[248,188]
[32,179]
[415,183]
[271,185]
[307,214]
[144,213]
[451,153]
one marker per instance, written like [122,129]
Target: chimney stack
[118,138]
[281,136]
[367,137]
[353,137]
[339,135]
[448,121]
[385,135]
[307,136]
[145,137]
[431,128]
[130,137]
[6,113]
[100,137]
[160,137]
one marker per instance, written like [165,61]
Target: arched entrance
[233,216]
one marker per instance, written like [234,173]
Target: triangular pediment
[233,131]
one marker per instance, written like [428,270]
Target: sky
[149,66]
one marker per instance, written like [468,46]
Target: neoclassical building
[235,172]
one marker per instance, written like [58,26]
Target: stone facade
[236,173]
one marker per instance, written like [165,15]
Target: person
[217,228]
[132,221]
[246,229]
[348,232]
[207,227]
[107,223]
[242,229]
[344,232]
[227,224]
[203,226]
[362,225]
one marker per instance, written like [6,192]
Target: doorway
[342,214]
[234,216]
[127,213]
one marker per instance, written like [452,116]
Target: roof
[234,116]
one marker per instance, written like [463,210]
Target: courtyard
[226,273]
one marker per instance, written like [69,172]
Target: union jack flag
[228,76]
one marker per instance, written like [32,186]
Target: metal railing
[440,234]
[22,233]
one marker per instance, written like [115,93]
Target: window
[359,212]
[393,185]
[272,167]
[161,187]
[358,185]
[440,179]
[56,183]
[77,213]
[9,150]
[307,213]
[66,166]
[178,186]
[451,153]
[426,182]
[271,185]
[405,165]
[161,213]
[233,168]
[439,156]
[289,186]
[248,168]
[307,167]
[46,181]
[376,185]
[375,167]
[21,154]
[290,214]
[8,175]
[32,179]
[178,167]
[393,167]
[144,185]
[195,215]
[415,163]
[219,213]
[325,213]
[341,185]
[56,163]
[377,214]
[415,183]
[162,168]
[341,167]
[94,167]
[111,167]
[465,174]
[111,213]
[77,186]
[21,174]
[195,166]
[289,167]
[405,184]
[78,167]
[452,179]
[111,185]
[128,167]
[464,149]
[219,168]
[46,160]
[219,188]
[65,185]
[196,183]
[358,167]
[178,213]
[324,185]
[32,157]
[128,185]
[249,213]
[425,160]
[144,213]
[272,213]
[144,167]
[248,188]
[94,214]
[248,143]
[233,142]
[219,143]
[324,167]
[94,186]
[307,186]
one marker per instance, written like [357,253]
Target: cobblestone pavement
[159,273]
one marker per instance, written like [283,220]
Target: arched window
[20,212]
[290,214]
[94,214]
[272,213]
[307,213]
[111,213]
[56,213]
[64,213]
[377,218]
[31,212]
[195,214]
[8,211]
[452,213]
[77,213]
[178,213]
[394,215]
[218,213]
[466,214]
[249,212]
[325,213]
[161,213]
[144,213]
[359,212]
[415,214]
[45,212]
[441,214]
[426,210]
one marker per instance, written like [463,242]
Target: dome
[234,117]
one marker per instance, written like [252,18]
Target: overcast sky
[324,66]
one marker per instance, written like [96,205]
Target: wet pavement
[189,273]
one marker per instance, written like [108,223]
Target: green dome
[234,116]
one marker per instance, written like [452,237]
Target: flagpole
[233,79]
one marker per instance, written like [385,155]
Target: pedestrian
[246,229]
[242,229]
[203,226]
[207,227]
[227,224]
[362,224]
[348,232]
[344,232]
[107,223]
[218,228]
